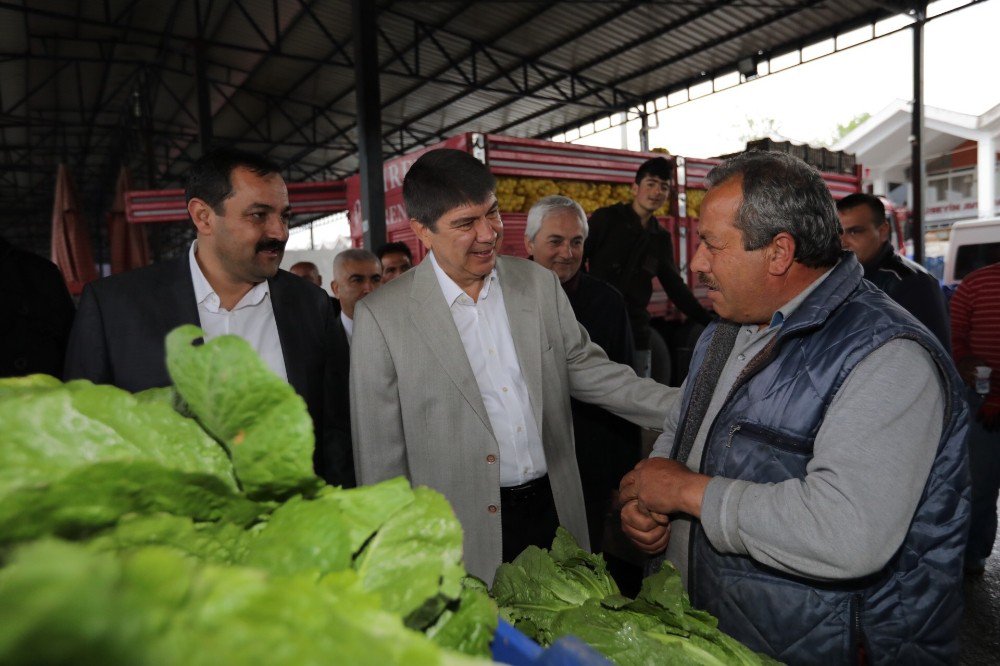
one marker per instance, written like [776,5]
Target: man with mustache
[462,371]
[815,473]
[227,283]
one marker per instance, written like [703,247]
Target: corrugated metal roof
[104,84]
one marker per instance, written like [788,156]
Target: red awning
[129,245]
[71,250]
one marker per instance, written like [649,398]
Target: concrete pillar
[880,183]
[986,164]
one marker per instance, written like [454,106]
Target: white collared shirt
[489,346]
[348,325]
[252,319]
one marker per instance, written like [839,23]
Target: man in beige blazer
[462,371]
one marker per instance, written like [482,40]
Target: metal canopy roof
[101,84]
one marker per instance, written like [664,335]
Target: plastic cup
[983,373]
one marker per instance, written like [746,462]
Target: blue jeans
[984,464]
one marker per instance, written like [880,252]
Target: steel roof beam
[502,72]
[798,43]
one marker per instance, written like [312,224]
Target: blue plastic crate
[510,646]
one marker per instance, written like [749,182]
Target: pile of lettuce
[568,591]
[185,526]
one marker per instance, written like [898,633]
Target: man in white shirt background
[356,273]
[227,283]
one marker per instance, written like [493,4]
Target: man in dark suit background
[356,273]
[607,446]
[228,283]
[38,311]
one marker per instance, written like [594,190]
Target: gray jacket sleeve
[872,456]
[376,417]
[595,379]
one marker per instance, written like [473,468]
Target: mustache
[706,281]
[270,244]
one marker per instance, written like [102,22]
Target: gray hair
[550,204]
[782,193]
[353,254]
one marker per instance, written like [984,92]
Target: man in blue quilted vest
[812,484]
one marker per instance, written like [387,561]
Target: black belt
[526,492]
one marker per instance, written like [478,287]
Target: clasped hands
[656,488]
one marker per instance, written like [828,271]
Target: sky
[808,101]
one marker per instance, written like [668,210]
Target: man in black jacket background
[37,314]
[866,234]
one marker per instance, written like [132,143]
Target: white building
[960,153]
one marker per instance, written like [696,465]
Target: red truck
[528,169]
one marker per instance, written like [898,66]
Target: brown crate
[831,160]
[847,163]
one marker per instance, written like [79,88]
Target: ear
[423,233]
[202,215]
[781,253]
[334,287]
[883,232]
[527,246]
[635,190]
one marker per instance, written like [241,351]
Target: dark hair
[874,204]
[444,179]
[393,248]
[782,193]
[209,179]
[657,167]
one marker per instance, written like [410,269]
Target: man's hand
[649,533]
[664,486]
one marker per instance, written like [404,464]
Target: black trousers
[527,517]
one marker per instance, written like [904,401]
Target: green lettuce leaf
[258,416]
[413,562]
[468,624]
[567,591]
[94,497]
[63,603]
[219,543]
[301,535]
[52,429]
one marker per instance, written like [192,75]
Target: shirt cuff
[720,514]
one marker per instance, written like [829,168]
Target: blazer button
[491,459]
[492,508]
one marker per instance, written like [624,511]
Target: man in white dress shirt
[462,371]
[227,283]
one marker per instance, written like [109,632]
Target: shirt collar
[452,292]
[205,295]
[348,324]
[786,310]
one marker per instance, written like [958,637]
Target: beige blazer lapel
[430,314]
[525,328]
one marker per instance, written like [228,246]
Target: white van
[973,244]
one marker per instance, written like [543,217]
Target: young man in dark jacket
[627,248]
